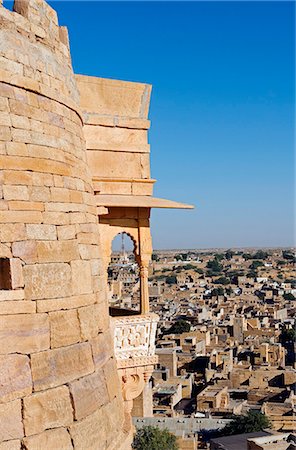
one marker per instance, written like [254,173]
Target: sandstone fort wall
[59,387]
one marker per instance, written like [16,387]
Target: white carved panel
[134,336]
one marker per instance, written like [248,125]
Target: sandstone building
[75,172]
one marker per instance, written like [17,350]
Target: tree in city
[214,266]
[222,280]
[172,279]
[256,264]
[288,335]
[289,255]
[179,327]
[251,422]
[289,296]
[229,290]
[217,291]
[153,438]
[229,254]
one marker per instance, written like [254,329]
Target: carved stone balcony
[134,340]
[134,347]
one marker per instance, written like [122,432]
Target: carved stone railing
[134,340]
[134,348]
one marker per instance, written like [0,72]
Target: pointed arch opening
[124,290]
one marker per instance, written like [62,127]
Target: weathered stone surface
[114,422]
[17,307]
[66,232]
[90,433]
[5,251]
[47,281]
[74,301]
[55,367]
[64,328]
[81,277]
[41,232]
[20,216]
[15,377]
[25,250]
[49,409]
[12,295]
[57,251]
[110,371]
[102,348]
[15,444]
[15,192]
[14,233]
[92,320]
[11,426]
[24,333]
[16,272]
[89,394]
[58,439]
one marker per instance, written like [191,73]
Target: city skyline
[222,110]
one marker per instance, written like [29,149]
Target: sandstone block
[81,277]
[60,194]
[24,333]
[48,440]
[17,176]
[20,217]
[15,444]
[55,367]
[25,250]
[56,218]
[110,371]
[4,104]
[114,422]
[19,205]
[93,320]
[20,122]
[64,328]
[66,232]
[15,192]
[89,394]
[87,434]
[42,180]
[102,348]
[77,217]
[5,251]
[88,251]
[7,295]
[57,251]
[41,232]
[47,281]
[39,193]
[87,238]
[17,307]
[96,267]
[15,376]
[76,196]
[5,134]
[16,273]
[74,301]
[11,426]
[50,409]
[16,148]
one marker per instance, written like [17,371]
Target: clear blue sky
[222,109]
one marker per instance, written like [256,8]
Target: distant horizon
[222,109]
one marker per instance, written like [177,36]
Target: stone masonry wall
[59,387]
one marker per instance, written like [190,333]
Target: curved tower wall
[59,387]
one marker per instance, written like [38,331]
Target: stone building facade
[74,173]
